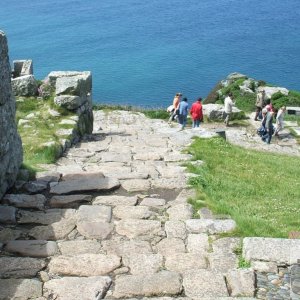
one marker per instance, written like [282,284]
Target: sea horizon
[141,54]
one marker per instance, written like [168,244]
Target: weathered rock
[35,186]
[180,212]
[143,264]
[7,234]
[22,67]
[132,212]
[86,182]
[210,226]
[69,201]
[136,185]
[47,217]
[21,289]
[264,266]
[115,200]
[25,201]
[169,246]
[84,264]
[226,245]
[197,243]
[216,112]
[159,284]
[271,249]
[24,86]
[271,90]
[56,231]
[69,102]
[20,267]
[222,262]
[99,213]
[175,229]
[95,230]
[154,202]
[77,288]
[203,283]
[79,247]
[32,248]
[182,262]
[133,228]
[48,176]
[241,283]
[122,248]
[7,214]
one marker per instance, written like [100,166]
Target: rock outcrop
[73,91]
[11,153]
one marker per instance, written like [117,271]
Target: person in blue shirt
[183,112]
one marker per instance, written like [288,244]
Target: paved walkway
[111,220]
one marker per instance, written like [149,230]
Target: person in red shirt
[197,112]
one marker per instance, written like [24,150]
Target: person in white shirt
[228,104]
[279,120]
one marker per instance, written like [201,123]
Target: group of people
[179,111]
[266,113]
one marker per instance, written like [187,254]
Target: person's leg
[227,119]
[197,123]
[184,118]
[258,109]
[194,123]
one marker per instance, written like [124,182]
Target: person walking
[269,127]
[260,103]
[197,112]
[279,120]
[228,104]
[183,112]
[176,102]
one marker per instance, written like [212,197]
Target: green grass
[39,130]
[261,191]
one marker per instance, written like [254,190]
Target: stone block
[115,200]
[180,212]
[7,214]
[159,284]
[197,243]
[79,247]
[77,288]
[175,229]
[25,201]
[241,283]
[132,212]
[69,200]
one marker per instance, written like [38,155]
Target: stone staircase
[111,220]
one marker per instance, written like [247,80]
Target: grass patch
[243,263]
[38,128]
[261,191]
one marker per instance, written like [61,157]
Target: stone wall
[11,152]
[73,91]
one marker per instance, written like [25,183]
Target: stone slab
[199,284]
[20,289]
[182,262]
[277,250]
[133,228]
[46,217]
[197,243]
[56,231]
[89,213]
[77,288]
[7,214]
[20,267]
[175,229]
[95,230]
[115,200]
[69,201]
[32,248]
[8,234]
[241,283]
[159,284]
[210,226]
[136,185]
[25,201]
[180,212]
[123,247]
[84,264]
[87,182]
[143,264]
[132,212]
[169,246]
[153,202]
[79,247]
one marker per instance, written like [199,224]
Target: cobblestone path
[110,220]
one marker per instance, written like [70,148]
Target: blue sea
[142,52]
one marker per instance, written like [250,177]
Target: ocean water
[142,52]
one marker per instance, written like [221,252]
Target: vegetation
[259,190]
[243,263]
[38,130]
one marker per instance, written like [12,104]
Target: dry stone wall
[11,153]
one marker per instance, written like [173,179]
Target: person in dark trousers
[183,112]
[269,127]
[197,113]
